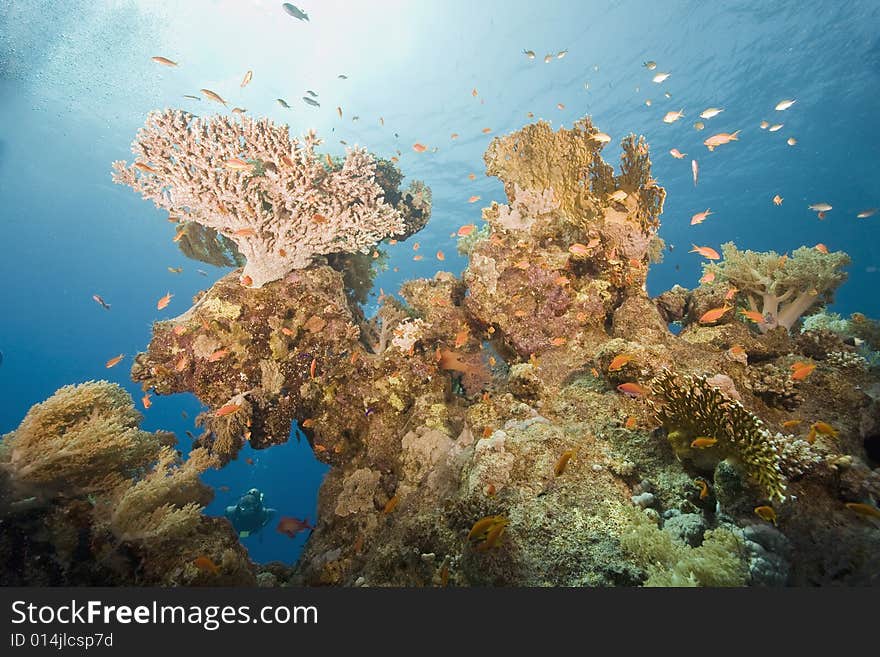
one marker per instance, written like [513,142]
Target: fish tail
[733,137]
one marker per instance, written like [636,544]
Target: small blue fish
[295,12]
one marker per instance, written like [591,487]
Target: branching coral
[781,288]
[267,192]
[82,439]
[693,408]
[166,504]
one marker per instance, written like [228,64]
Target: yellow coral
[566,161]
[83,438]
[167,503]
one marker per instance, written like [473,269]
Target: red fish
[291,526]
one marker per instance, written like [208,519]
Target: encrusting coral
[267,192]
[781,288]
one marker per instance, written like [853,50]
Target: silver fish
[295,11]
[342,77]
[311,93]
[283,103]
[313,103]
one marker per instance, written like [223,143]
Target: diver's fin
[244,534]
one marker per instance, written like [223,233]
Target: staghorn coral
[781,288]
[83,438]
[694,408]
[265,191]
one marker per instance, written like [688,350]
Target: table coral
[781,288]
[267,192]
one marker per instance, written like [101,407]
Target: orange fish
[791,424]
[578,249]
[247,78]
[619,361]
[490,490]
[454,135]
[114,361]
[229,409]
[486,131]
[416,246]
[867,510]
[308,423]
[700,217]
[802,372]
[145,400]
[730,294]
[714,315]
[464,231]
[461,338]
[473,199]
[474,92]
[703,486]
[245,232]
[246,281]
[213,96]
[472,176]
[205,564]
[677,154]
[630,423]
[179,329]
[419,148]
[144,167]
[777,200]
[752,315]
[632,389]
[822,429]
[249,460]
[706,252]
[821,248]
[313,368]
[217,355]
[708,277]
[558,342]
[482,526]
[766,513]
[164,61]
[720,139]
[736,350]
[181,363]
[164,301]
[494,535]
[319,218]
[440,255]
[487,432]
[703,442]
[563,460]
[391,504]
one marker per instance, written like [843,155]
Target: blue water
[76,81]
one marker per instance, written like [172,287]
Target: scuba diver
[249,516]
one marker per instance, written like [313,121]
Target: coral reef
[532,423]
[101,488]
[781,288]
[254,184]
